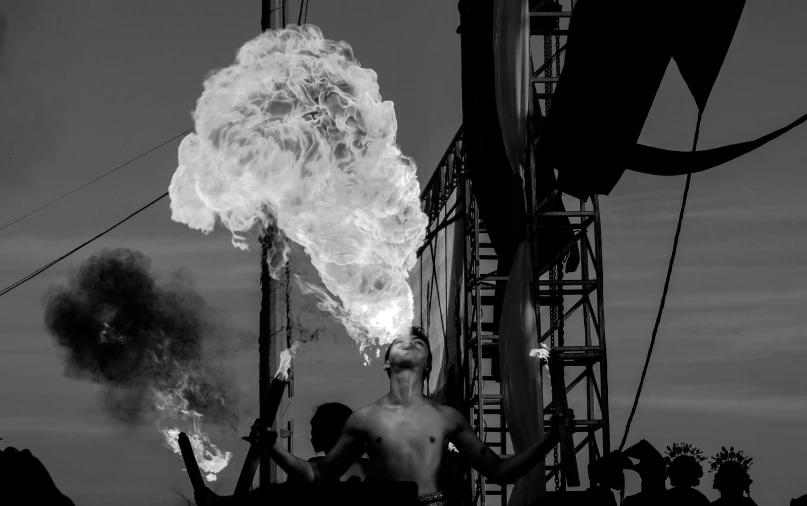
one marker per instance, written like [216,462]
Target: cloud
[768,407]
[722,299]
[3,41]
[226,269]
[730,207]
[64,427]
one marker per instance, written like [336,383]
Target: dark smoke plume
[125,329]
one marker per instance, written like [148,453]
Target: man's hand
[263,436]
[561,420]
[207,497]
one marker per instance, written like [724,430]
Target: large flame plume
[296,131]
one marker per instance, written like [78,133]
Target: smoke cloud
[132,332]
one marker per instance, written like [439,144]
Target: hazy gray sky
[88,85]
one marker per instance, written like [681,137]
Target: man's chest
[418,430]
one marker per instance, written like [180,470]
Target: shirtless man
[405,433]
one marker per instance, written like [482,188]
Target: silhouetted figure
[801,501]
[326,426]
[732,479]
[685,472]
[25,481]
[605,475]
[653,472]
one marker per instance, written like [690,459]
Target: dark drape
[616,57]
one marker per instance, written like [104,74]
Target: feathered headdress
[730,455]
[683,450]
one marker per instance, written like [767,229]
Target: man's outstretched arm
[491,465]
[348,448]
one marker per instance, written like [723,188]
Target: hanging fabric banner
[521,381]
[511,62]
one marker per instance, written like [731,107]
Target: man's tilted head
[410,351]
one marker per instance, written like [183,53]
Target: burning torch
[190,463]
[276,390]
[555,368]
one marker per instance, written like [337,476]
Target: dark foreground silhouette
[25,481]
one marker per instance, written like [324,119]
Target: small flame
[543,354]
[285,361]
[296,133]
[172,404]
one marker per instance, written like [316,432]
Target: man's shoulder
[450,415]
[366,415]
[361,414]
[445,409]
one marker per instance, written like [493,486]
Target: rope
[302,19]
[553,321]
[96,179]
[300,16]
[51,264]
[664,292]
[547,73]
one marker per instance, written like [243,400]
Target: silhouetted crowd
[682,465]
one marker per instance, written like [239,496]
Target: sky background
[88,85]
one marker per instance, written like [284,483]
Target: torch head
[283,368]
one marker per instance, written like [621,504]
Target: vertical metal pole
[267,358]
[606,427]
[271,17]
[290,390]
[480,376]
[590,392]
[469,314]
[273,14]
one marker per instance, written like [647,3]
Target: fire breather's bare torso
[406,443]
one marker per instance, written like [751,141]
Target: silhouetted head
[411,351]
[685,471]
[732,478]
[801,501]
[651,466]
[609,470]
[326,425]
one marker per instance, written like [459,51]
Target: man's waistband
[433,499]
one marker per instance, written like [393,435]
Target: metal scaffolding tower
[569,306]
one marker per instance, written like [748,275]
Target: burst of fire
[172,404]
[542,354]
[295,133]
[286,355]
